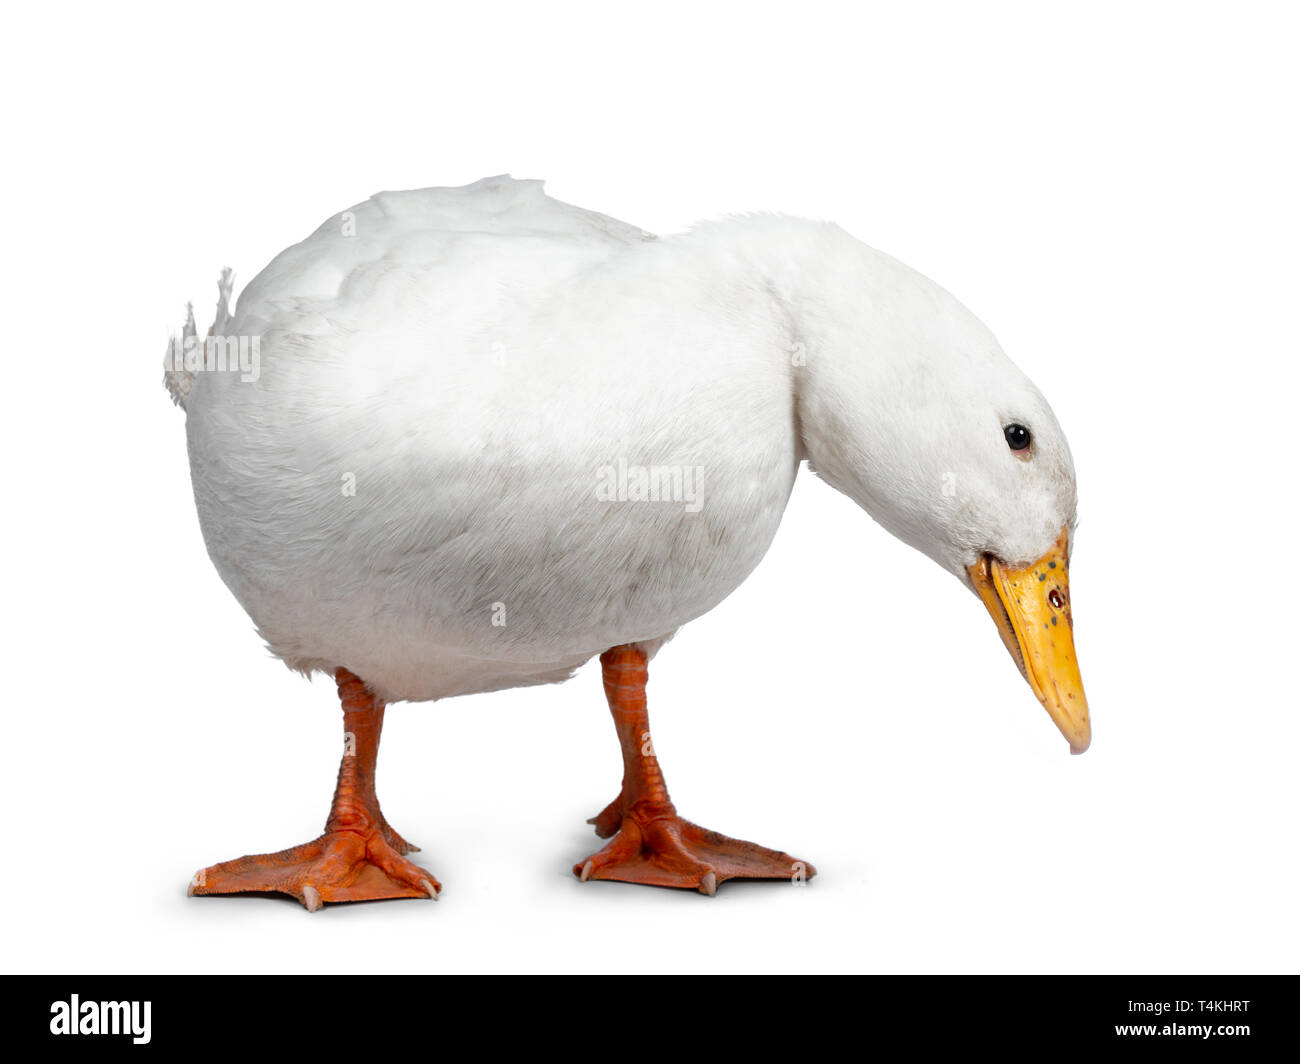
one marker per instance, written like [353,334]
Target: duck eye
[1018,437]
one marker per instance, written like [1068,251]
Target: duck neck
[852,318]
[871,346]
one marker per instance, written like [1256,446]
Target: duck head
[908,405]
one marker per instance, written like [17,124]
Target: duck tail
[184,353]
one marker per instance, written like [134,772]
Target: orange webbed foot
[661,849]
[359,857]
[342,865]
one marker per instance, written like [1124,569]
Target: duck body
[435,479]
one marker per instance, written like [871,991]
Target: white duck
[480,436]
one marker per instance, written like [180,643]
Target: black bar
[257,1015]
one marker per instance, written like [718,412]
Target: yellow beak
[1031,607]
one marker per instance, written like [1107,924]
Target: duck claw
[608,820]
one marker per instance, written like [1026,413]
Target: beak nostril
[1055,598]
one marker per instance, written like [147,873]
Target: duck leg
[359,857]
[650,843]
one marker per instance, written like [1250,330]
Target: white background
[1112,189]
